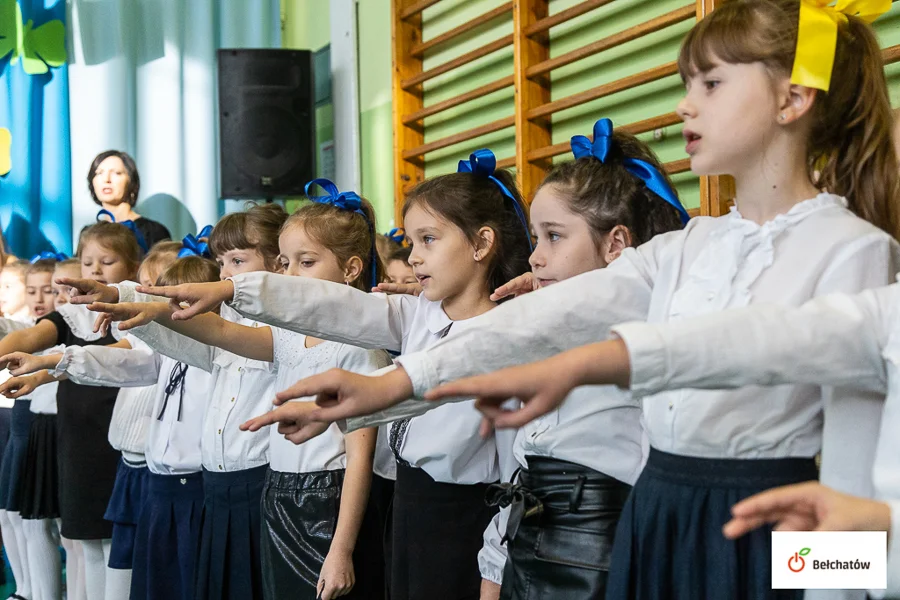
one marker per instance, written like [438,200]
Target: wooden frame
[534,108]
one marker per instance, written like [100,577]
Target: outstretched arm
[207,328]
[313,307]
[42,336]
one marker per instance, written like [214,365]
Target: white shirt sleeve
[7,326]
[175,345]
[538,325]
[324,309]
[492,556]
[832,340]
[110,367]
[853,416]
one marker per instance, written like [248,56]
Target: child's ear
[615,243]
[353,269]
[484,243]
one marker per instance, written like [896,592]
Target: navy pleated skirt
[5,420]
[228,563]
[15,454]
[166,541]
[669,543]
[124,510]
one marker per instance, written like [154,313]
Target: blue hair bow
[650,175]
[483,162]
[349,201]
[129,224]
[192,246]
[47,255]
[205,232]
[396,235]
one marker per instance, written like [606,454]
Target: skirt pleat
[124,511]
[228,562]
[167,536]
[669,543]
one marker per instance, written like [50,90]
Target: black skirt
[167,537]
[300,512]
[15,454]
[228,565]
[39,492]
[5,422]
[669,543]
[560,531]
[124,511]
[438,532]
[87,463]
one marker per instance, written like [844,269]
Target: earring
[477,258]
[783,117]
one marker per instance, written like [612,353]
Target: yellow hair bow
[817,36]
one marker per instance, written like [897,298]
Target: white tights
[100,580]
[44,565]
[16,551]
[74,570]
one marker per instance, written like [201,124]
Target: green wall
[306,27]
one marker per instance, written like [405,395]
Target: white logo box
[848,560]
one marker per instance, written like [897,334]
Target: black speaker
[267,127]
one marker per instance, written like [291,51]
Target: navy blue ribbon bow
[650,175]
[129,224]
[47,255]
[345,201]
[191,246]
[396,235]
[483,162]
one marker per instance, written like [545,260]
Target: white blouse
[241,389]
[816,248]
[835,340]
[175,427]
[445,443]
[43,399]
[294,361]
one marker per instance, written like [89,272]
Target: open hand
[293,422]
[131,314]
[516,287]
[807,506]
[86,291]
[199,298]
[22,363]
[412,289]
[17,387]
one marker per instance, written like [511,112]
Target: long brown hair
[849,150]
[345,233]
[471,202]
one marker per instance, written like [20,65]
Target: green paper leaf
[804,552]
[44,46]
[9,24]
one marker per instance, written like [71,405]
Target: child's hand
[200,297]
[516,287]
[337,577]
[413,289]
[541,386]
[293,422]
[16,387]
[22,363]
[131,314]
[343,394]
[86,291]
[807,506]
[489,590]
